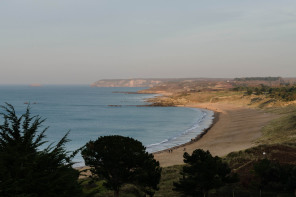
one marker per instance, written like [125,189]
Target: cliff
[127,82]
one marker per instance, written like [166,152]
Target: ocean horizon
[90,112]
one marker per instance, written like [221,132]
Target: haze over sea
[87,113]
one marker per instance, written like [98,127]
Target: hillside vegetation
[277,143]
[278,140]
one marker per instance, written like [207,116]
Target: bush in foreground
[25,169]
[273,176]
[201,173]
[122,160]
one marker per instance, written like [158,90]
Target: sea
[90,112]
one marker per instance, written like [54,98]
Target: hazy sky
[81,41]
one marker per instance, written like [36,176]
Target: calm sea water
[85,111]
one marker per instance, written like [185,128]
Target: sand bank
[236,128]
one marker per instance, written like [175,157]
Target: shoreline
[85,169]
[234,128]
[154,103]
[198,137]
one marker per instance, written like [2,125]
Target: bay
[90,112]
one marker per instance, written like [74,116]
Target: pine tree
[201,173]
[25,168]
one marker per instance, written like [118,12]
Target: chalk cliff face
[126,83]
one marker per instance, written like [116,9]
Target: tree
[249,92]
[120,160]
[275,177]
[26,169]
[202,173]
[149,175]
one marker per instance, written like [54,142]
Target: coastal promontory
[127,82]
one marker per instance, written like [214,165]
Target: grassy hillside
[281,130]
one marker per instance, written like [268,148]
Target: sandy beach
[236,128]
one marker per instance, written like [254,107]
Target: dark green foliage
[285,93]
[202,173]
[275,177]
[149,175]
[249,92]
[25,170]
[258,79]
[121,160]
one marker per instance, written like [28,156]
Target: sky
[81,41]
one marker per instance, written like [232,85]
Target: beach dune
[236,128]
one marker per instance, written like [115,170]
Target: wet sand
[235,128]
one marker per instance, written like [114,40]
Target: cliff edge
[127,83]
